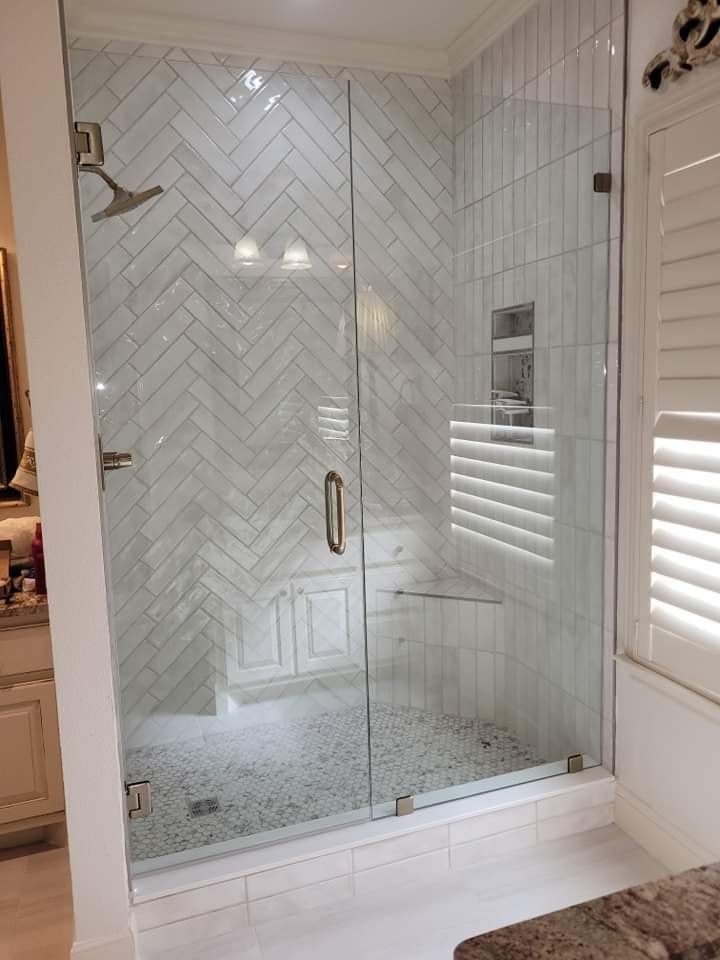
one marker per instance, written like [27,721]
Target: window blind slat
[684,304]
[689,395]
[682,596]
[691,242]
[688,274]
[690,211]
[686,540]
[673,426]
[692,182]
[686,512]
[687,483]
[681,566]
[691,362]
[701,332]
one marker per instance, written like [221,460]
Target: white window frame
[701,94]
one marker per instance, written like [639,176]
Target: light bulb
[296,257]
[246,251]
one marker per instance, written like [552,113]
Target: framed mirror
[11,426]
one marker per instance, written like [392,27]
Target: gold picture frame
[11,428]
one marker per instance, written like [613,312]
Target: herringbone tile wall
[536,115]
[233,379]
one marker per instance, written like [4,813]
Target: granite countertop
[23,609]
[677,918]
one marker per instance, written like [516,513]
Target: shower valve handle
[111,460]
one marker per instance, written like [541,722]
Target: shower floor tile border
[270,776]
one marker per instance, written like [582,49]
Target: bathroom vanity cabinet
[31,788]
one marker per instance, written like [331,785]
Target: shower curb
[268,884]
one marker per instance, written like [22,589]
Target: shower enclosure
[356,349]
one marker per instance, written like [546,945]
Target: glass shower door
[223,342]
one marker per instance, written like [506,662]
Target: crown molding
[197,33]
[497,17]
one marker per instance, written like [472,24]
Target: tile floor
[36,916]
[276,774]
[423,920]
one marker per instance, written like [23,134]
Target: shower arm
[88,168]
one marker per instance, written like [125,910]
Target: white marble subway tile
[519,133]
[500,845]
[500,821]
[416,663]
[401,672]
[603,13]
[544,35]
[570,206]
[420,869]
[281,879]
[414,844]
[557,190]
[601,82]
[531,43]
[586,23]
[450,681]
[557,30]
[468,698]
[180,906]
[486,694]
[507,48]
[572,24]
[572,110]
[579,821]
[600,265]
[519,67]
[276,908]
[207,925]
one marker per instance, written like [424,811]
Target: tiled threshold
[275,882]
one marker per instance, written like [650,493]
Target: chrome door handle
[337,544]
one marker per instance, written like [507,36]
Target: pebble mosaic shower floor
[268,776]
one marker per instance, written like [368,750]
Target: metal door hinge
[602,182]
[575,763]
[89,150]
[139,799]
[404,806]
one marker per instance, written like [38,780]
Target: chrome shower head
[123,200]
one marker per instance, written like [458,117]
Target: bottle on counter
[38,556]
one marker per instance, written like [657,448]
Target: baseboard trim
[118,948]
[662,840]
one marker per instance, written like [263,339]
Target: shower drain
[203,808]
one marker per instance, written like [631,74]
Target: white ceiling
[429,24]
[432,36]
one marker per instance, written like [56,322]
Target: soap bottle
[39,560]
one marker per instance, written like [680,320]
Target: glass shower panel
[223,341]
[482,311]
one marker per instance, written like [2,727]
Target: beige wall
[7,240]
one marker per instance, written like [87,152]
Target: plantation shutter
[679,582]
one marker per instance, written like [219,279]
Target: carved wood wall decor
[695,40]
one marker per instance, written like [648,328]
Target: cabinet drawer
[30,772]
[25,650]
